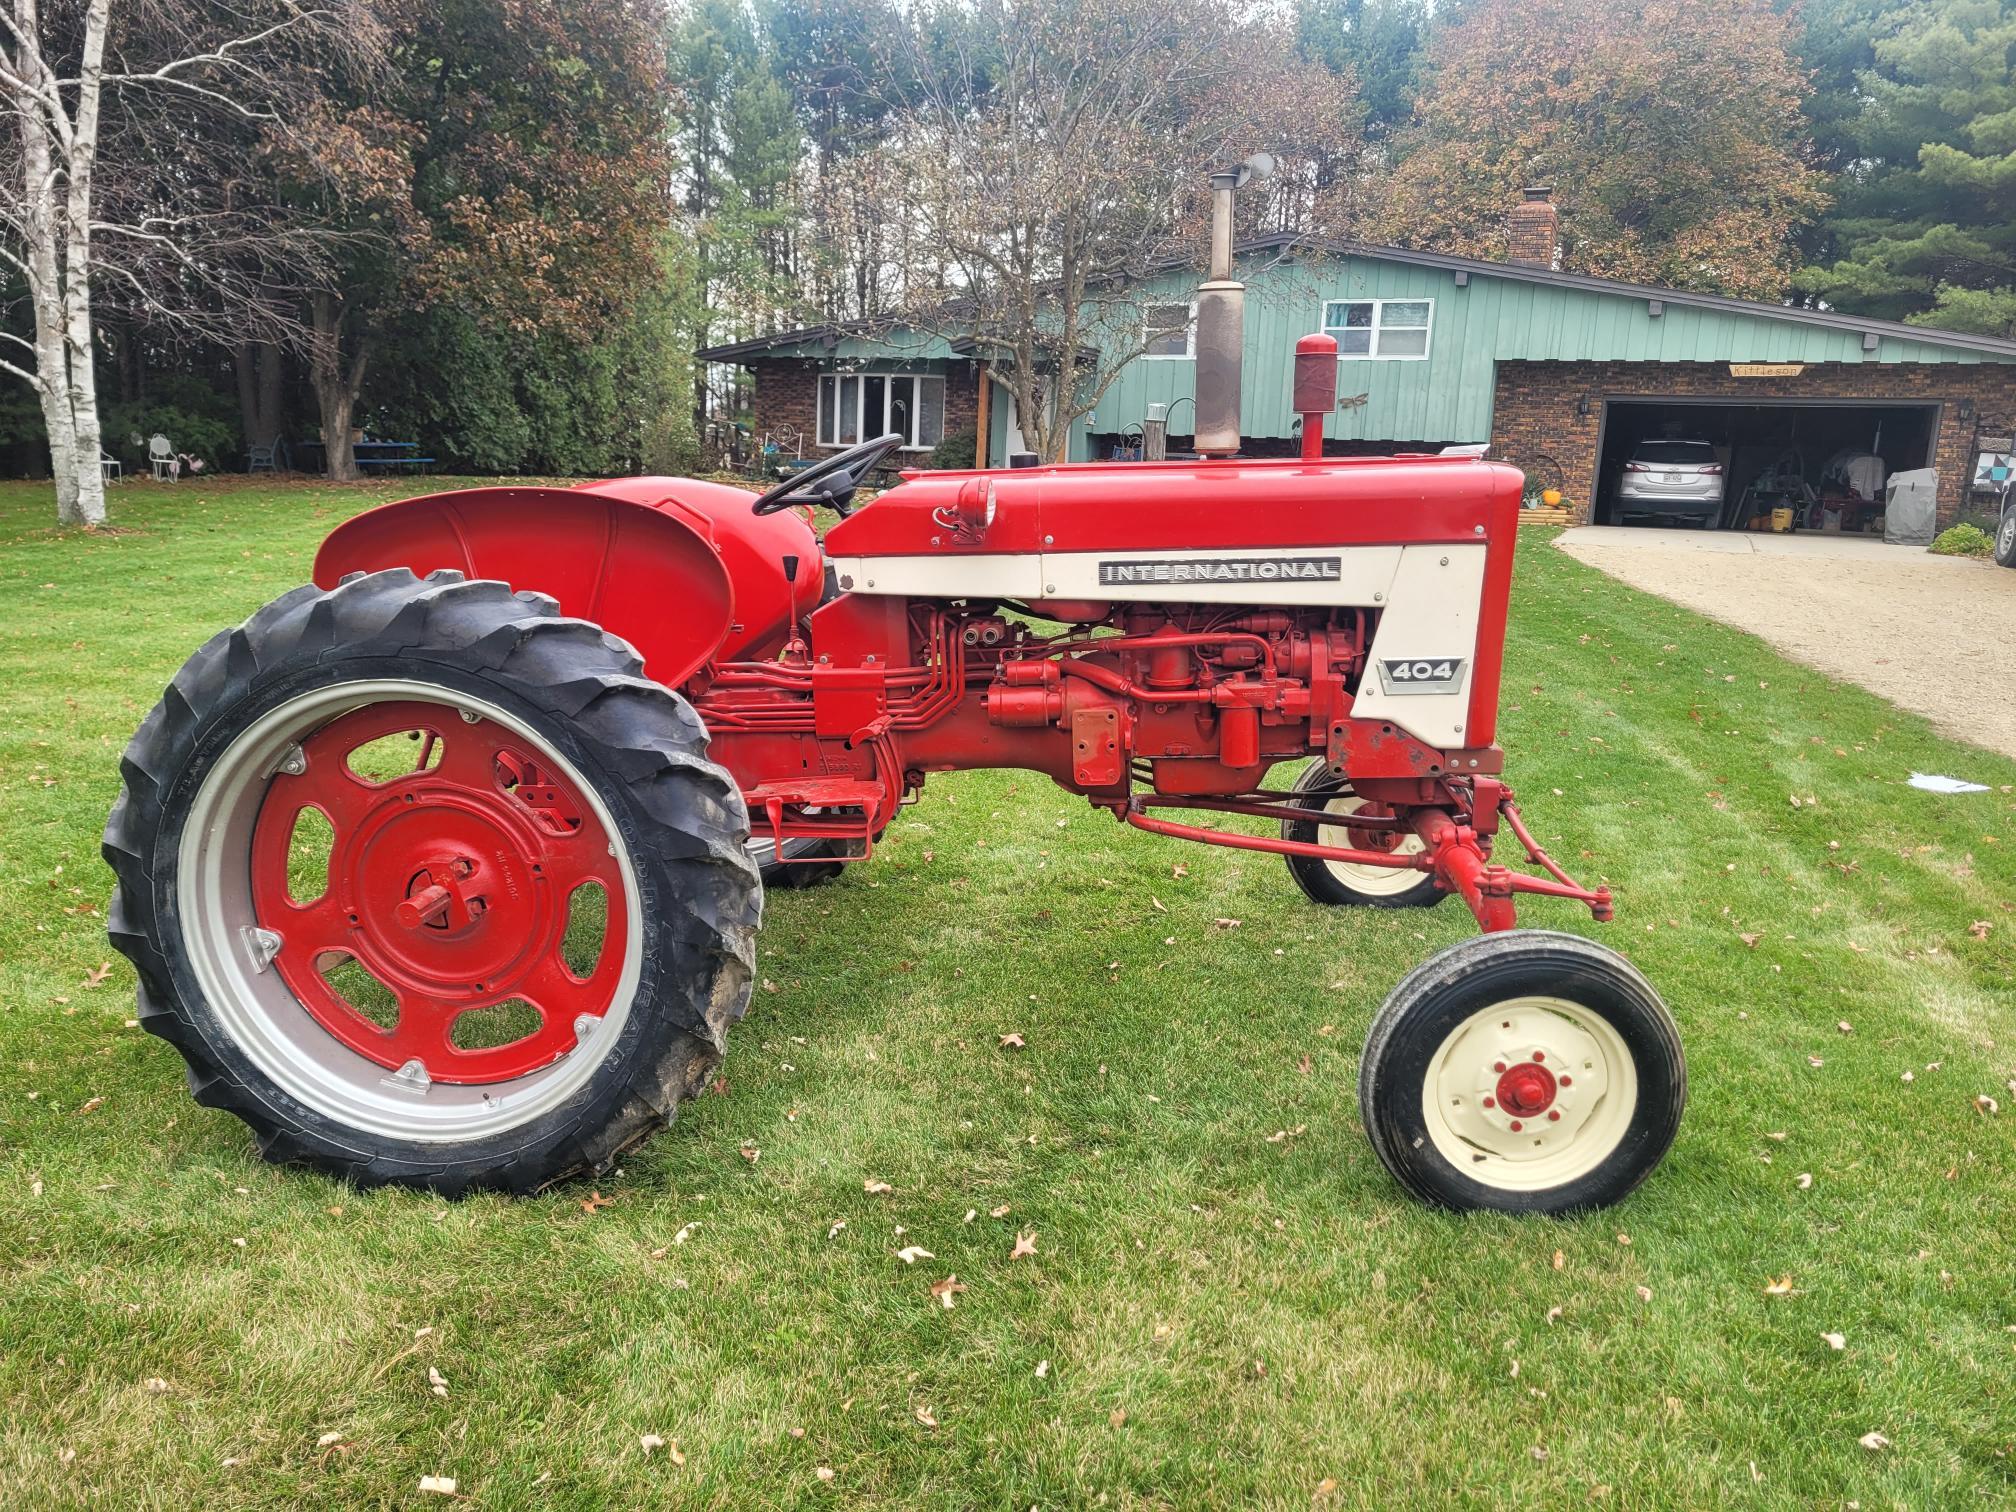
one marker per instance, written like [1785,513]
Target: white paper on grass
[1933,784]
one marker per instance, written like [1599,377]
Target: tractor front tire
[1522,1072]
[430,886]
[1338,884]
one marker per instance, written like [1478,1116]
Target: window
[1393,328]
[861,406]
[1168,330]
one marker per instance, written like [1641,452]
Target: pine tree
[1924,228]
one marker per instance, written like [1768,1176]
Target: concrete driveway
[1935,635]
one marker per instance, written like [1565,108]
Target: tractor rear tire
[1339,884]
[464,887]
[1522,1072]
[802,871]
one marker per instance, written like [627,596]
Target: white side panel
[944,576]
[1254,575]
[1430,616]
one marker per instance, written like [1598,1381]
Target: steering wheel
[830,481]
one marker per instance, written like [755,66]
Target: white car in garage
[1668,479]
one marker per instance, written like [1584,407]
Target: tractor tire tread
[688,831]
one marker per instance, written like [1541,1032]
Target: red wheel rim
[451,884]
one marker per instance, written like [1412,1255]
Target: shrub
[1964,540]
[127,427]
[956,450]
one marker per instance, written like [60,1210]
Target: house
[1560,372]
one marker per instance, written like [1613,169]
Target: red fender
[680,569]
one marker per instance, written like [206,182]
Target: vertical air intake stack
[1221,318]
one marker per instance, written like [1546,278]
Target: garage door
[1717,464]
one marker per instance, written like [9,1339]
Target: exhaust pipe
[1221,318]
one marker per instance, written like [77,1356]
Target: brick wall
[787,394]
[1533,410]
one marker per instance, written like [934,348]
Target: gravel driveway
[1931,634]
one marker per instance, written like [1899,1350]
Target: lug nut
[1517,1126]
[1490,1102]
[1567,1081]
[1538,1056]
[1498,1066]
[1554,1115]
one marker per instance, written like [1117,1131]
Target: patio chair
[272,457]
[109,468]
[161,452]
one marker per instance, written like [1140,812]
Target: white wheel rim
[1529,1094]
[2009,535]
[264,1018]
[1380,881]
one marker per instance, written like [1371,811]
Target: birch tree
[140,96]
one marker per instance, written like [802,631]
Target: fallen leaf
[751,1154]
[1325,1486]
[876,1188]
[1987,1106]
[999,1212]
[1845,1027]
[824,1472]
[1042,1369]
[1979,929]
[1873,1442]
[1750,939]
[1560,1260]
[1025,1244]
[1644,1293]
[1625,1240]
[834,1232]
[1779,1287]
[1157,902]
[440,1485]
[437,1381]
[1804,1180]
[91,1105]
[1012,1042]
[96,978]
[945,1290]
[328,1440]
[685,1233]
[596,1201]
[1552,1314]
[1835,1340]
[1814,1060]
[912,1253]
[923,1415]
[156,1385]
[1116,1418]
[649,1442]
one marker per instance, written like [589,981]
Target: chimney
[1533,229]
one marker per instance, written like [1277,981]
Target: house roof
[1288,243]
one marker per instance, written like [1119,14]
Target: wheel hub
[1519,1082]
[451,885]
[1525,1090]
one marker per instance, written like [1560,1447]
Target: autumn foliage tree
[1055,150]
[1671,130]
[511,164]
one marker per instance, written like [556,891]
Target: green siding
[1447,396]
[1444,397]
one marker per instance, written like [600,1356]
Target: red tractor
[616,713]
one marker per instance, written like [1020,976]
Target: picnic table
[374,453]
[390,455]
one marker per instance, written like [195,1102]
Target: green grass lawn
[1228,1318]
